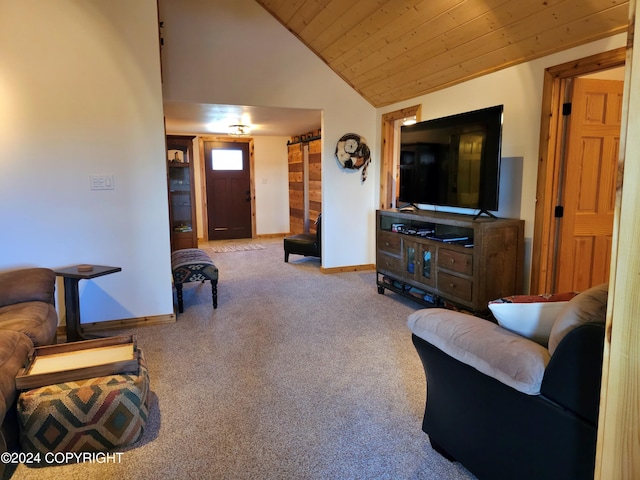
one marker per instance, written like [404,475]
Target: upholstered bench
[97,414]
[193,265]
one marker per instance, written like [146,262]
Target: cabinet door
[427,265]
[182,211]
[419,262]
[180,193]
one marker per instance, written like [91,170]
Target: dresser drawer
[455,261]
[455,286]
[389,263]
[390,243]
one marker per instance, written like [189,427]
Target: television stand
[489,214]
[438,258]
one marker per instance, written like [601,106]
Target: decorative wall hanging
[352,152]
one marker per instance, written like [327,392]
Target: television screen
[452,161]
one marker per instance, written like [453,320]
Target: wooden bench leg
[180,304]
[214,292]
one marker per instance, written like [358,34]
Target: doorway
[390,150]
[584,259]
[228,189]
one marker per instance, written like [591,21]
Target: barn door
[586,226]
[305,185]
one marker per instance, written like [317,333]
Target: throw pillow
[531,316]
[588,306]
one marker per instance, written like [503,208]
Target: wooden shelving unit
[180,179]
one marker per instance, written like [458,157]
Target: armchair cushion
[509,358]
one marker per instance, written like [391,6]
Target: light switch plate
[101,182]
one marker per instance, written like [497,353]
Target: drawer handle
[452,285]
[386,244]
[452,260]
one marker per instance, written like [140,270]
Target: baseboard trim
[351,268]
[124,323]
[271,235]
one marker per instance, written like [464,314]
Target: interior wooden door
[584,249]
[228,181]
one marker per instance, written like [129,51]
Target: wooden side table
[72,276]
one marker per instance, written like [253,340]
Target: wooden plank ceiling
[394,50]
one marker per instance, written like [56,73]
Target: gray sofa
[506,407]
[28,319]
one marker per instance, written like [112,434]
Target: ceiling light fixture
[239,129]
[409,121]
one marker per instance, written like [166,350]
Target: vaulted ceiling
[394,50]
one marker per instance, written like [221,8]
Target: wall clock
[352,152]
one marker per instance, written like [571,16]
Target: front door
[228,180]
[586,227]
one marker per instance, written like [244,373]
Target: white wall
[243,56]
[272,185]
[80,94]
[519,89]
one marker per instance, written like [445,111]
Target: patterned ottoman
[91,415]
[193,265]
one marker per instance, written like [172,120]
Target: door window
[224,160]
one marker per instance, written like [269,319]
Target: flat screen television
[452,161]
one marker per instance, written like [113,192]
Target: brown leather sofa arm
[27,285]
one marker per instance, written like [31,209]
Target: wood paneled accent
[296,188]
[315,182]
[305,182]
[391,51]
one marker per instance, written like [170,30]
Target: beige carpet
[297,375]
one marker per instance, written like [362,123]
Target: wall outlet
[101,182]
